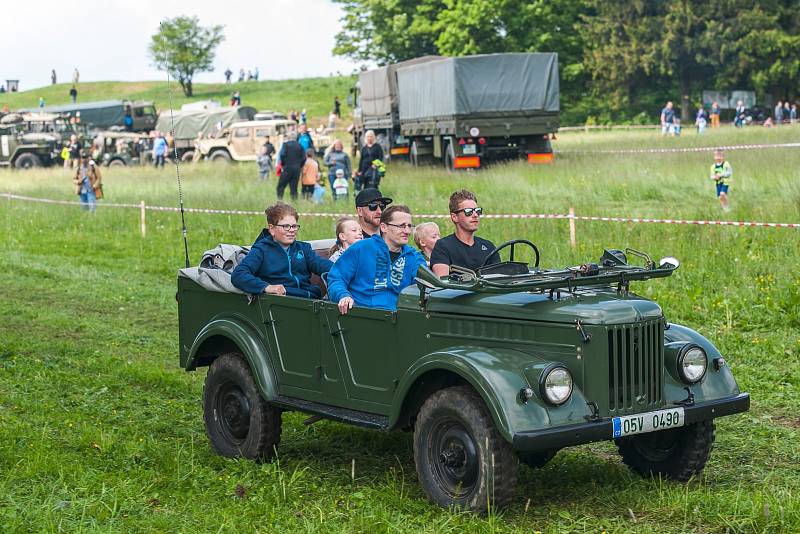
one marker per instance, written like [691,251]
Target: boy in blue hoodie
[277,263]
[372,272]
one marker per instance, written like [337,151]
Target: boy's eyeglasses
[406,226]
[469,211]
[288,227]
[372,206]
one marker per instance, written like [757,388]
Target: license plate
[469,149]
[648,422]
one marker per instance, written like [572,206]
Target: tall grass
[103,432]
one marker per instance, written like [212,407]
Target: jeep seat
[322,248]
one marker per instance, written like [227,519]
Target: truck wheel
[239,422]
[538,459]
[27,161]
[462,461]
[220,156]
[116,163]
[677,454]
[187,156]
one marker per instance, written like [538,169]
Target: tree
[182,48]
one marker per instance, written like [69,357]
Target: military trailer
[106,114]
[488,368]
[192,125]
[467,111]
[376,108]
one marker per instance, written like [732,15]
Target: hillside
[314,94]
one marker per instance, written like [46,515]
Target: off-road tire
[239,422]
[678,454]
[117,163]
[27,161]
[219,156]
[187,156]
[538,459]
[455,438]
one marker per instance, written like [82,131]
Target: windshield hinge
[586,336]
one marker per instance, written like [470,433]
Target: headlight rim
[679,362]
[543,381]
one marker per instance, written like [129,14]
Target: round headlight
[692,364]
[557,385]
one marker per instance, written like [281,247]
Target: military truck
[106,114]
[375,101]
[34,139]
[463,112]
[507,363]
[242,141]
[119,149]
[192,125]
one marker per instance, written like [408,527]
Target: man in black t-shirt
[463,247]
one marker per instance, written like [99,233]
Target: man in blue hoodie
[372,272]
[279,264]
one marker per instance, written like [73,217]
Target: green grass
[102,431]
[314,94]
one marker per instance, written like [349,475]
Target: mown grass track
[102,431]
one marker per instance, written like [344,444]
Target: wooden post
[142,212]
[572,241]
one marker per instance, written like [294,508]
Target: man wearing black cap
[369,207]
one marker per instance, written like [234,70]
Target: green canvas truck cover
[189,123]
[484,85]
[379,89]
[101,114]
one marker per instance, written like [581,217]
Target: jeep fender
[717,383]
[247,341]
[497,375]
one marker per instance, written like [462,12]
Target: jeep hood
[597,306]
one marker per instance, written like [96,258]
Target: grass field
[102,431]
[314,94]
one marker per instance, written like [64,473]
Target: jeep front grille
[635,367]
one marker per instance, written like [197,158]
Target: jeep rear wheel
[678,454]
[117,163]
[219,156]
[462,460]
[239,422]
[27,161]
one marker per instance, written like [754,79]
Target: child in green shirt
[722,174]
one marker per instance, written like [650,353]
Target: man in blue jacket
[372,272]
[279,264]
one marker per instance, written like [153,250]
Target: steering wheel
[511,244]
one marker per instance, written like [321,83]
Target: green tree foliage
[183,48]
[617,59]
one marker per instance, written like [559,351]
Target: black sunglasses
[468,211]
[372,206]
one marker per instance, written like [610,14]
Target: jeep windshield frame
[570,279]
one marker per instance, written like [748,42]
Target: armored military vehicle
[242,141]
[490,367]
[33,139]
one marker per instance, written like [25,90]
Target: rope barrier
[673,150]
[556,216]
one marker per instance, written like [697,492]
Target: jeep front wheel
[239,422]
[678,454]
[27,161]
[462,460]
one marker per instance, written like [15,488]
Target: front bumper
[602,430]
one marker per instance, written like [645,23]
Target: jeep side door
[365,344]
[242,142]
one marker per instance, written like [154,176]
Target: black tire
[538,459]
[116,163]
[239,422]
[27,161]
[220,156]
[462,460]
[187,156]
[678,454]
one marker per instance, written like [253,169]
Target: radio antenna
[177,169]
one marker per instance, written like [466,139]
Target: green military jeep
[504,364]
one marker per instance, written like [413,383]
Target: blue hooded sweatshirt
[268,263]
[365,273]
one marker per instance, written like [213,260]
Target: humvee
[487,368]
[242,141]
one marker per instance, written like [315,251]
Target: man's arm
[440,260]
[316,263]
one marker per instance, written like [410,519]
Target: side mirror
[669,263]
